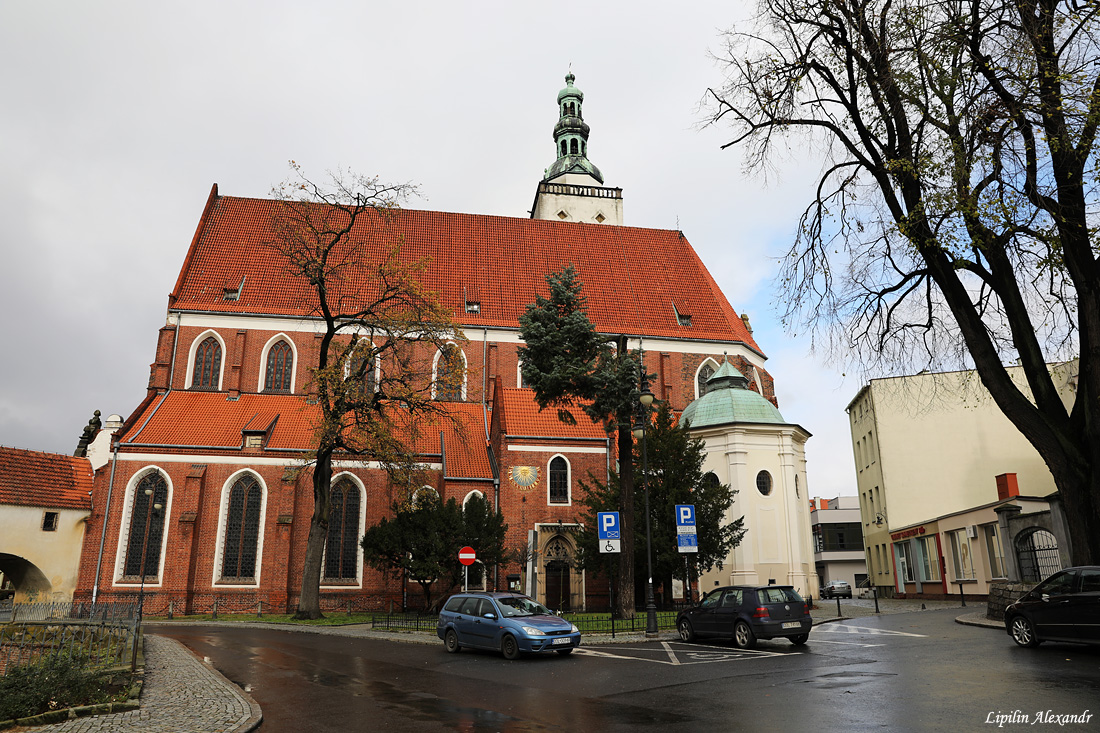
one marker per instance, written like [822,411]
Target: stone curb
[256,716]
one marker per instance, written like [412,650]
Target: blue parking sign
[607,531]
[685,515]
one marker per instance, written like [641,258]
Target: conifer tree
[572,367]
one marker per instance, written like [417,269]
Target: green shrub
[54,682]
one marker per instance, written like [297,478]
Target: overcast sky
[116,118]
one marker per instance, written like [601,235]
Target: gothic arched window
[573,146]
[208,364]
[242,530]
[280,365]
[359,369]
[705,373]
[146,527]
[558,475]
[342,545]
[449,374]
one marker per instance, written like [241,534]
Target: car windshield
[522,606]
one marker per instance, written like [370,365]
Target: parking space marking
[686,655]
[845,629]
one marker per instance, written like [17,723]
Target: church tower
[572,188]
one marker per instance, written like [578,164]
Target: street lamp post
[144,552]
[641,419]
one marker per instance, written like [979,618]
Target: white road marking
[671,654]
[845,629]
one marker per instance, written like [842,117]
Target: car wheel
[800,639]
[1023,632]
[686,632]
[565,652]
[743,636]
[509,647]
[450,641]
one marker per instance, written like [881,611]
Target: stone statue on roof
[88,436]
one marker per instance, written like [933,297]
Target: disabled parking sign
[607,531]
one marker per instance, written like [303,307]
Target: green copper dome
[570,90]
[729,400]
[571,136]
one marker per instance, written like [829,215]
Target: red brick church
[219,440]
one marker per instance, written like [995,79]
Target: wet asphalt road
[905,672]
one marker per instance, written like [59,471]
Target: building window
[424,494]
[280,364]
[960,554]
[573,146]
[49,522]
[706,371]
[450,374]
[208,364]
[929,560]
[242,530]
[146,521]
[764,483]
[359,371]
[841,536]
[564,149]
[995,551]
[904,561]
[558,474]
[342,544]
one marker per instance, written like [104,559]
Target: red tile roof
[49,480]
[520,415]
[633,278]
[210,420]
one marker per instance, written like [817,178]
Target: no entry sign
[466,556]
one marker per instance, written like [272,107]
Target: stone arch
[1037,554]
[562,587]
[31,584]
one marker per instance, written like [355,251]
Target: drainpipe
[103,531]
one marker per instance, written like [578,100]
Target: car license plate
[792,625]
[561,640]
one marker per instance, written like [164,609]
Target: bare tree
[954,219]
[372,383]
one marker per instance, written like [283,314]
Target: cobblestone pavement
[181,694]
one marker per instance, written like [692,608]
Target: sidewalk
[182,693]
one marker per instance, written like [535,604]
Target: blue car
[507,622]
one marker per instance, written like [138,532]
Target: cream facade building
[750,447]
[940,473]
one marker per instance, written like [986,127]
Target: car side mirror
[1045,598]
[490,615]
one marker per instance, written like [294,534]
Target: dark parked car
[836,589]
[748,613]
[1064,607]
[507,622]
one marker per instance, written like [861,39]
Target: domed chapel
[207,476]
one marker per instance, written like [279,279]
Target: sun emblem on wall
[524,476]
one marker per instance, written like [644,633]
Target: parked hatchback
[510,623]
[1064,607]
[748,613]
[836,589]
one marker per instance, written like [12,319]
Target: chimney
[1007,486]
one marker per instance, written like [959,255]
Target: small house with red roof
[208,487]
[45,502]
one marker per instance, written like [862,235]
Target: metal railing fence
[97,644]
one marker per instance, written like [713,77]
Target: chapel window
[146,527]
[342,545]
[208,364]
[242,530]
[559,480]
[449,374]
[280,364]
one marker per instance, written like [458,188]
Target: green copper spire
[571,136]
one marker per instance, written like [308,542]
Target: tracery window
[449,374]
[280,364]
[558,475]
[208,364]
[342,544]
[144,517]
[705,372]
[242,530]
[359,369]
